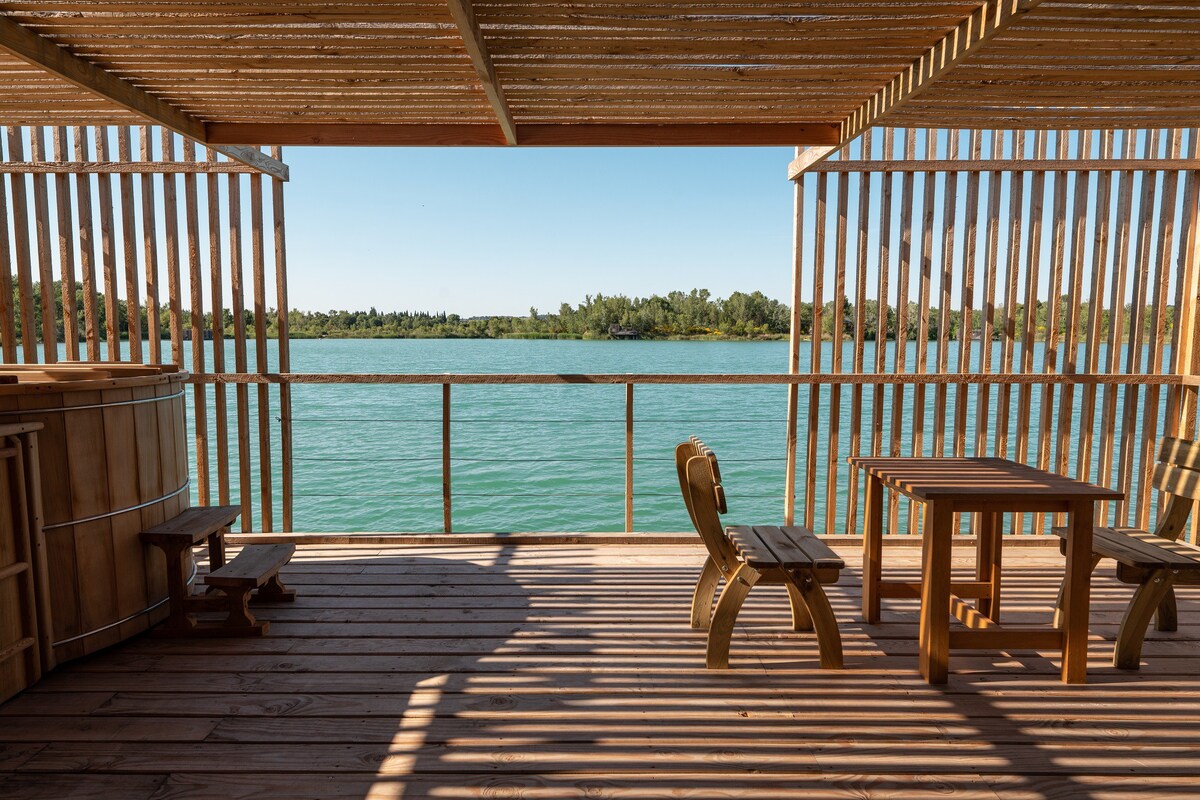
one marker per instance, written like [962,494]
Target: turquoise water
[551,458]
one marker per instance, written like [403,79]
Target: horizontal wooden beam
[257,159]
[124,167]
[992,17]
[487,135]
[967,37]
[1002,165]
[656,378]
[468,28]
[50,58]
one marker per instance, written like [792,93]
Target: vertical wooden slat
[41,210]
[991,256]
[1116,326]
[196,295]
[793,390]
[21,251]
[1033,259]
[814,390]
[1137,324]
[882,313]
[263,408]
[240,365]
[150,249]
[1161,263]
[1095,320]
[66,246]
[133,302]
[87,249]
[1183,344]
[860,302]
[834,414]
[628,458]
[966,318]
[923,295]
[171,232]
[217,303]
[8,324]
[1067,436]
[949,214]
[447,522]
[900,356]
[1008,334]
[108,253]
[283,343]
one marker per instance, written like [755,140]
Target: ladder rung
[13,570]
[17,647]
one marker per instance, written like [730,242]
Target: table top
[976,479]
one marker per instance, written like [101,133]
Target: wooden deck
[568,671]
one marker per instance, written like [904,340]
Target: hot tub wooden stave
[113,462]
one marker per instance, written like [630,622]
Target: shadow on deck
[570,672]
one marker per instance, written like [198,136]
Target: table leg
[934,634]
[872,550]
[988,561]
[1077,593]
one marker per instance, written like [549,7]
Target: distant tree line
[674,315]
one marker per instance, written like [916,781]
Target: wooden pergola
[458,72]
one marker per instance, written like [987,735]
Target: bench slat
[821,554]
[254,565]
[1141,549]
[794,547]
[1180,452]
[751,548]
[1177,480]
[197,522]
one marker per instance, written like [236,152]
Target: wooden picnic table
[990,487]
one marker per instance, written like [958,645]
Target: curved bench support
[721,630]
[1146,600]
[702,597]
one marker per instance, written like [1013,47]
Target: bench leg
[702,597]
[829,638]
[273,591]
[721,629]
[1146,600]
[801,615]
[990,554]
[240,620]
[1058,601]
[1167,617]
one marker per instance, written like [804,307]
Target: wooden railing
[1126,448]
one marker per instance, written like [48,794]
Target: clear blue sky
[495,231]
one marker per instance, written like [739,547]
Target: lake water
[551,458]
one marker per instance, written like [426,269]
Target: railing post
[789,481]
[446,526]
[629,458]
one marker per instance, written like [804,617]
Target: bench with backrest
[255,569]
[746,555]
[1155,561]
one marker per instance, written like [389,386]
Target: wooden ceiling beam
[992,17]
[538,135]
[50,58]
[468,28]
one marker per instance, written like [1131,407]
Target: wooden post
[446,522]
[793,396]
[629,458]
[283,343]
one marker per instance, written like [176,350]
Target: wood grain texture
[520,702]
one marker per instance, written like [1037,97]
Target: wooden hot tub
[113,462]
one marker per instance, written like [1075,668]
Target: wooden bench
[230,584]
[745,556]
[1155,561]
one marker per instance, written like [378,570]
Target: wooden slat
[150,249]
[191,205]
[108,253]
[41,212]
[129,249]
[258,253]
[814,392]
[8,335]
[66,247]
[87,249]
[240,361]
[171,229]
[216,267]
[21,251]
[285,358]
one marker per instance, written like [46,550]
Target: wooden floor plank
[569,672]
